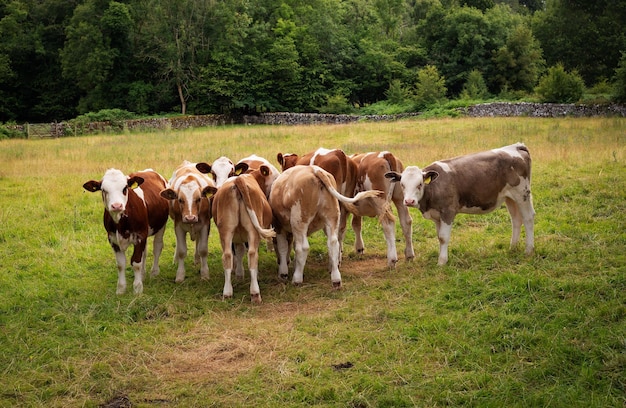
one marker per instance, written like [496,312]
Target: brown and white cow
[221,169]
[255,162]
[133,211]
[371,176]
[304,199]
[338,164]
[191,213]
[473,184]
[242,214]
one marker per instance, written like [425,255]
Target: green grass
[492,328]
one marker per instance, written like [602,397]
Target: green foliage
[10,131]
[397,93]
[337,104]
[475,86]
[582,35]
[619,80]
[430,88]
[560,86]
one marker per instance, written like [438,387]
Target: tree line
[63,58]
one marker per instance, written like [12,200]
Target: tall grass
[492,328]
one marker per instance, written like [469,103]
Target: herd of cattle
[252,200]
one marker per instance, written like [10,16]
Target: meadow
[493,328]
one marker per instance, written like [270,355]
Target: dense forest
[62,58]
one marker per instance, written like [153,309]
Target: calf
[255,162]
[338,164]
[473,184]
[191,213]
[372,168]
[133,211]
[304,199]
[221,169]
[242,214]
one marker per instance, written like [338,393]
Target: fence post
[27,130]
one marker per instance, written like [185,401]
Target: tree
[430,88]
[619,80]
[518,62]
[174,40]
[560,86]
[475,86]
[583,35]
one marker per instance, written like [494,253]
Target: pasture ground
[492,328]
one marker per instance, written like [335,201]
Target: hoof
[256,298]
[337,285]
[224,297]
[360,251]
[283,277]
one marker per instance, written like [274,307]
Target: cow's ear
[209,191]
[134,182]
[92,186]
[394,176]
[265,171]
[280,158]
[169,194]
[203,167]
[430,176]
[241,168]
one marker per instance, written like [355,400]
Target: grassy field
[492,328]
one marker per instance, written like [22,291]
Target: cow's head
[412,180]
[222,169]
[114,186]
[265,176]
[187,195]
[287,160]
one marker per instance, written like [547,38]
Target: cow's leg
[516,221]
[180,253]
[157,248]
[528,218]
[357,227]
[389,230]
[282,252]
[443,233]
[240,250]
[301,246]
[253,265]
[334,253]
[120,260]
[343,221]
[227,262]
[138,262]
[202,252]
[407,231]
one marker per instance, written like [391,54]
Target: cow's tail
[348,202]
[265,233]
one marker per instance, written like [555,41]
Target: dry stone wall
[540,110]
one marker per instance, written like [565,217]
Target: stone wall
[540,110]
[543,110]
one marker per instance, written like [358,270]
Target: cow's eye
[125,191]
[181,201]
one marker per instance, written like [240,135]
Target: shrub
[619,80]
[337,104]
[430,88]
[560,86]
[475,86]
[397,94]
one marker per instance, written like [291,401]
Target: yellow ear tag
[134,185]
[427,180]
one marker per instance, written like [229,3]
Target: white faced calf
[473,184]
[133,211]
[191,213]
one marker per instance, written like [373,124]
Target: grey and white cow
[472,184]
